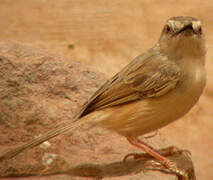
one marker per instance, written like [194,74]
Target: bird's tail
[70,126]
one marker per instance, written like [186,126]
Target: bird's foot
[169,151]
[168,167]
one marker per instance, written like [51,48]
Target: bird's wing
[144,77]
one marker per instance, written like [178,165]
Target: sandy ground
[107,35]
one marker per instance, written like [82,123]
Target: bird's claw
[135,156]
[169,167]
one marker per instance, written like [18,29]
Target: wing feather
[146,76]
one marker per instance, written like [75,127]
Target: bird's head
[183,35]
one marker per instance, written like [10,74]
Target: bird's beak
[186,27]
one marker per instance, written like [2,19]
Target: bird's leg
[168,164]
[169,151]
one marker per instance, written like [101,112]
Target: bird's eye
[167,29]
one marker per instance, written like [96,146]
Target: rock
[38,91]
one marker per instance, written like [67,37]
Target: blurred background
[107,35]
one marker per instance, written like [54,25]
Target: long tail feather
[38,140]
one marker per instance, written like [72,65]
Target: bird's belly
[141,117]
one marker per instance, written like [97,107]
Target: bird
[158,87]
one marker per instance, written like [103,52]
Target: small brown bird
[155,89]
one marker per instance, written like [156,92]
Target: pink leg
[163,160]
